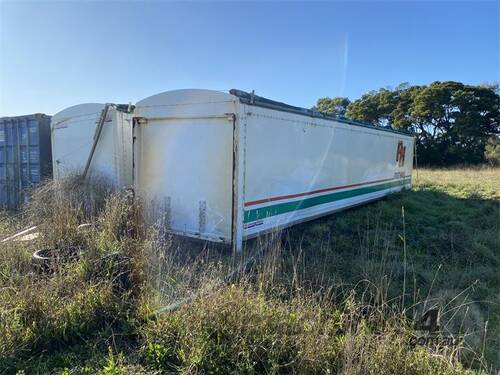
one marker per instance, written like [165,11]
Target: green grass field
[339,295]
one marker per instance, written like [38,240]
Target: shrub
[492,151]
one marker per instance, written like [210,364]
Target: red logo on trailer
[400,154]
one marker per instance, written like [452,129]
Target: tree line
[453,123]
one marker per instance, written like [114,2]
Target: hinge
[230,116]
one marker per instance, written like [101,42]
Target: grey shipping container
[25,157]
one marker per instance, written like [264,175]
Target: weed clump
[80,298]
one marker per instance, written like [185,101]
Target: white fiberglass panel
[72,136]
[112,158]
[73,132]
[298,167]
[184,171]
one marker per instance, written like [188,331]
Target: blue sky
[57,54]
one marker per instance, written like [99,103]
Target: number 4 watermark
[429,325]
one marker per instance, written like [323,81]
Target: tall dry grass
[80,297]
[139,300]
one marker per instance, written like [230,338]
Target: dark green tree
[332,106]
[376,107]
[451,121]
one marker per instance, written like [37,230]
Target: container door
[183,170]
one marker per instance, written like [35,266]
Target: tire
[42,260]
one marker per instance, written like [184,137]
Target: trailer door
[183,170]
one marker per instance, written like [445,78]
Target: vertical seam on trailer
[244,152]
[234,183]
[241,173]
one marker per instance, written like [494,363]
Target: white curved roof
[80,112]
[189,102]
[185,96]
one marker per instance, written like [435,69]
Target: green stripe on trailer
[282,208]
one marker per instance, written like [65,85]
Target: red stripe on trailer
[281,197]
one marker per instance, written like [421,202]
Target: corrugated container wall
[25,157]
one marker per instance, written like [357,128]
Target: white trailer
[93,138]
[230,166]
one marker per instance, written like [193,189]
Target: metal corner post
[97,135]
[239,125]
